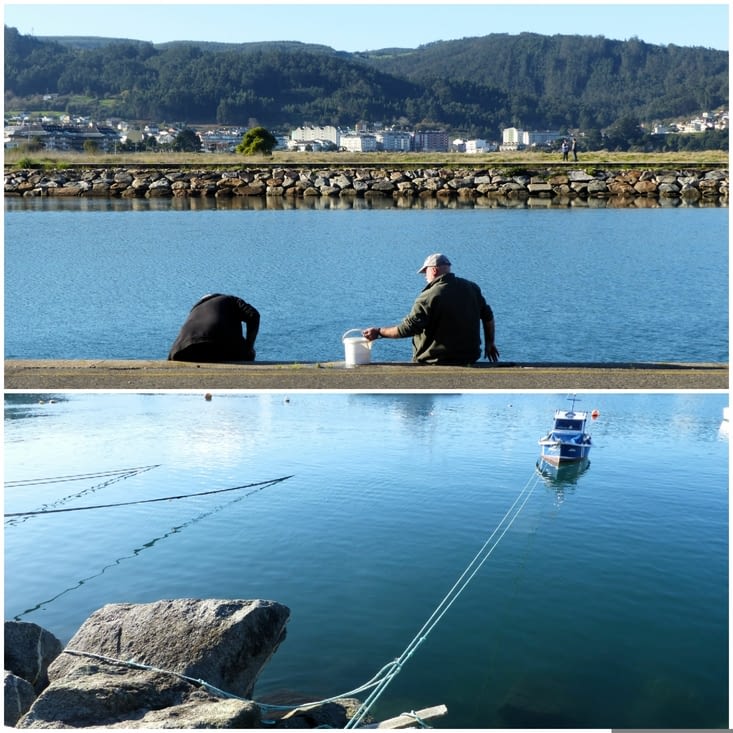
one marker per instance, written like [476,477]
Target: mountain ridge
[475,85]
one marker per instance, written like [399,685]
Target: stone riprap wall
[709,185]
[180,644]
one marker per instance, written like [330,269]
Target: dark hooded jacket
[213,331]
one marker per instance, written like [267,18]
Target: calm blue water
[581,284]
[604,605]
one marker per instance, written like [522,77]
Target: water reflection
[116,562]
[414,408]
[338,203]
[107,478]
[21,406]
[149,544]
[562,479]
[724,429]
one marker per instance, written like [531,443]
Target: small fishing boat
[568,440]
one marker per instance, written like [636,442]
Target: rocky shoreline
[182,663]
[695,186]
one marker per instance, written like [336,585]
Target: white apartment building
[512,138]
[361,143]
[479,146]
[311,134]
[394,140]
[696,125]
[307,146]
[535,138]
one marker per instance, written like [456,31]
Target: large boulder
[99,694]
[18,696]
[127,663]
[29,650]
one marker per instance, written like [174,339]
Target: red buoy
[595,414]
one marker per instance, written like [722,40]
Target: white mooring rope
[379,682]
[450,598]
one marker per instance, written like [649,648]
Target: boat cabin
[570,421]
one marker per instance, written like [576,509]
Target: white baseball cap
[434,260]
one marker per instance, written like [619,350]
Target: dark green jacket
[446,320]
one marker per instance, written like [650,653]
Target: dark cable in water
[80,476]
[110,477]
[149,544]
[259,486]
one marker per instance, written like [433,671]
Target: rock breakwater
[195,666]
[555,185]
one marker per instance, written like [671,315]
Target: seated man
[446,319]
[212,331]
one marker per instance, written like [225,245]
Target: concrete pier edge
[105,374]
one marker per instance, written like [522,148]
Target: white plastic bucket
[357,349]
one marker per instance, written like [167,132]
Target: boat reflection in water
[562,478]
[564,473]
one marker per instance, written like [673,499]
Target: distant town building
[394,141]
[664,129]
[132,135]
[536,139]
[359,143]
[74,132]
[166,137]
[222,140]
[52,136]
[432,141]
[697,125]
[311,133]
[513,138]
[310,146]
[472,147]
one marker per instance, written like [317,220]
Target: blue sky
[350,26]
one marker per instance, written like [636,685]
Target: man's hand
[370,334]
[491,353]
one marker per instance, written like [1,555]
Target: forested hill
[475,86]
[578,81]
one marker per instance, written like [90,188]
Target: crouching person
[212,331]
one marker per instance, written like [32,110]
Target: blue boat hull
[562,474]
[561,452]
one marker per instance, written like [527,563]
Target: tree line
[473,87]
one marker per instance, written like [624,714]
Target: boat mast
[574,398]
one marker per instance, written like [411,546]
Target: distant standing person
[212,331]
[574,148]
[446,319]
[564,147]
